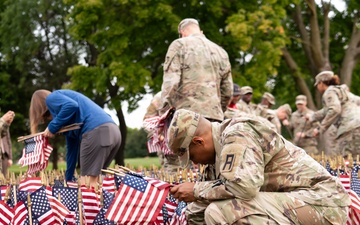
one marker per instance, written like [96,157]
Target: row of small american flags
[124,198]
[348,174]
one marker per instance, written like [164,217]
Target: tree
[305,28]
[36,51]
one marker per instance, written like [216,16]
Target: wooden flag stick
[29,208]
[70,127]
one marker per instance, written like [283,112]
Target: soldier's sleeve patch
[229,162]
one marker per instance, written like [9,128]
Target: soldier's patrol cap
[246,90]
[269,97]
[287,109]
[323,76]
[236,91]
[180,133]
[300,99]
[186,22]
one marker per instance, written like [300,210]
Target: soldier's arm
[226,86]
[241,168]
[333,105]
[171,77]
[4,126]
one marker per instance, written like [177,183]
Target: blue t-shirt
[68,107]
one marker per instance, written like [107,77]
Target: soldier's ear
[197,140]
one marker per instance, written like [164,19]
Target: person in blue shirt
[96,142]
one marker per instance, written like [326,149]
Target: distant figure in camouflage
[267,100]
[338,110]
[170,163]
[197,74]
[5,122]
[354,98]
[232,109]
[303,129]
[258,177]
[245,105]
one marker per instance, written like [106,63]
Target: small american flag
[3,189]
[41,208]
[91,203]
[36,153]
[20,214]
[30,184]
[109,184]
[139,200]
[156,126]
[6,213]
[179,217]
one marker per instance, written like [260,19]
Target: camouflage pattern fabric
[4,127]
[261,178]
[340,111]
[298,124]
[197,76]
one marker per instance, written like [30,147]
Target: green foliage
[136,143]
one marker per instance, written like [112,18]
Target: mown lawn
[133,163]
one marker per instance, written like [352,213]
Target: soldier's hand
[8,117]
[184,192]
[316,132]
[285,122]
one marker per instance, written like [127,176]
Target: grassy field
[133,163]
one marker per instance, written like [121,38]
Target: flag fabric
[108,198]
[68,197]
[156,126]
[3,189]
[108,184]
[30,184]
[118,180]
[167,211]
[59,210]
[138,200]
[36,154]
[6,213]
[91,203]
[20,214]
[179,217]
[41,208]
[101,220]
[355,181]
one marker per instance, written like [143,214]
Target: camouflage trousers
[171,164]
[266,208]
[349,143]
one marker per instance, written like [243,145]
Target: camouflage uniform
[197,77]
[4,128]
[344,115]
[298,124]
[258,178]
[170,163]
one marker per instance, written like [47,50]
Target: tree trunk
[119,157]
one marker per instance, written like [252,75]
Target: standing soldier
[267,100]
[303,129]
[338,110]
[245,105]
[197,74]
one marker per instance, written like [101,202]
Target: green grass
[133,163]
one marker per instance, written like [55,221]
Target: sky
[134,119]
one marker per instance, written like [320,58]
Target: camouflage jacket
[252,158]
[339,110]
[197,76]
[298,124]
